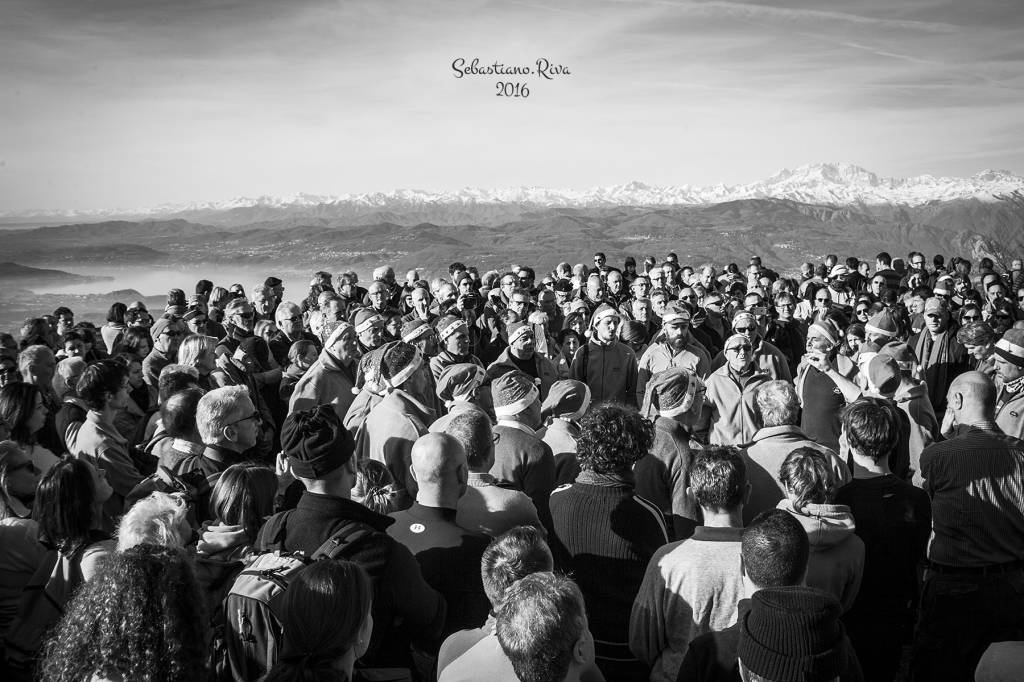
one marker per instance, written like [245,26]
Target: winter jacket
[659,357]
[836,563]
[913,400]
[610,370]
[390,429]
[728,414]
[664,473]
[768,359]
[326,381]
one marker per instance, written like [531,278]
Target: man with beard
[674,347]
[605,364]
[521,355]
[1009,366]
[288,318]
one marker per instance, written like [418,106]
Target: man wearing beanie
[454,340]
[318,451]
[601,528]
[972,592]
[332,377]
[458,390]
[394,424]
[521,459]
[674,347]
[565,405]
[1008,358]
[674,399]
[521,355]
[693,586]
[773,555]
[604,363]
[793,634]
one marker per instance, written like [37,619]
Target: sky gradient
[129,103]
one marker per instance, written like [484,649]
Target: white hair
[66,368]
[154,520]
[217,409]
[284,309]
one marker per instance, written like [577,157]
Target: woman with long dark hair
[325,616]
[24,411]
[141,619]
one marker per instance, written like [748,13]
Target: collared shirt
[976,482]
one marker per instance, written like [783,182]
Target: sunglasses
[823,300]
[970,318]
[172,335]
[294,318]
[744,330]
[255,415]
[246,316]
[745,348]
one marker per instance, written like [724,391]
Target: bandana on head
[453,328]
[1010,351]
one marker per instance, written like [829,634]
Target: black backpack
[252,626]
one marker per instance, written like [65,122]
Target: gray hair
[217,409]
[777,404]
[284,310]
[154,520]
[30,357]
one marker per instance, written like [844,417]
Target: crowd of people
[657,472]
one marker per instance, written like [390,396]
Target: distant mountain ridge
[831,184]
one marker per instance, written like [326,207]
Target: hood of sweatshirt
[218,539]
[827,525]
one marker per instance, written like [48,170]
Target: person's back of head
[178,414]
[808,478]
[871,427]
[66,504]
[542,628]
[68,372]
[244,496]
[319,450]
[141,617]
[515,397]
[160,519]
[972,396]
[325,619]
[612,438]
[100,382]
[793,634]
[375,488]
[473,431]
[883,258]
[774,550]
[439,469]
[511,556]
[776,404]
[174,378]
[718,479]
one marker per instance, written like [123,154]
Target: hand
[818,361]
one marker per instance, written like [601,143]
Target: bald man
[972,591]
[449,555]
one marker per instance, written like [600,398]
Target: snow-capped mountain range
[826,183]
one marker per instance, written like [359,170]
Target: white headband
[406,372]
[519,405]
[1010,351]
[525,329]
[875,330]
[416,333]
[368,323]
[453,328]
[692,384]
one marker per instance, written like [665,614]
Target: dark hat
[563,285]
[512,393]
[793,634]
[459,379]
[399,361]
[633,332]
[315,442]
[630,260]
[672,392]
[272,282]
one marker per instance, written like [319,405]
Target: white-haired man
[288,318]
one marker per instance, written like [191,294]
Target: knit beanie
[676,311]
[884,323]
[399,361]
[884,374]
[903,354]
[793,634]
[459,380]
[449,325]
[517,330]
[671,393]
[315,442]
[512,393]
[633,332]
[414,330]
[1011,346]
[366,319]
[604,310]
[976,334]
[568,399]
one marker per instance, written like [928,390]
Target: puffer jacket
[836,563]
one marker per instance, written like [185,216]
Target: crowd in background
[654,472]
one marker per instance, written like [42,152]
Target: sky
[132,103]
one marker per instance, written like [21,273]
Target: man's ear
[230,432]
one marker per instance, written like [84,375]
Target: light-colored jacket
[326,381]
[99,442]
[659,356]
[728,414]
[390,430]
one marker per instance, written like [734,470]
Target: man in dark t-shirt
[893,519]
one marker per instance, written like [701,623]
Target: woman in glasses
[728,415]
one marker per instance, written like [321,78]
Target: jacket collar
[330,506]
[776,431]
[517,425]
[106,428]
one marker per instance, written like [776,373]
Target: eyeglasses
[862,311]
[172,334]
[246,316]
[255,415]
[692,296]
[294,318]
[745,348]
[918,264]
[744,330]
[970,318]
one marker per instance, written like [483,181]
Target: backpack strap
[343,541]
